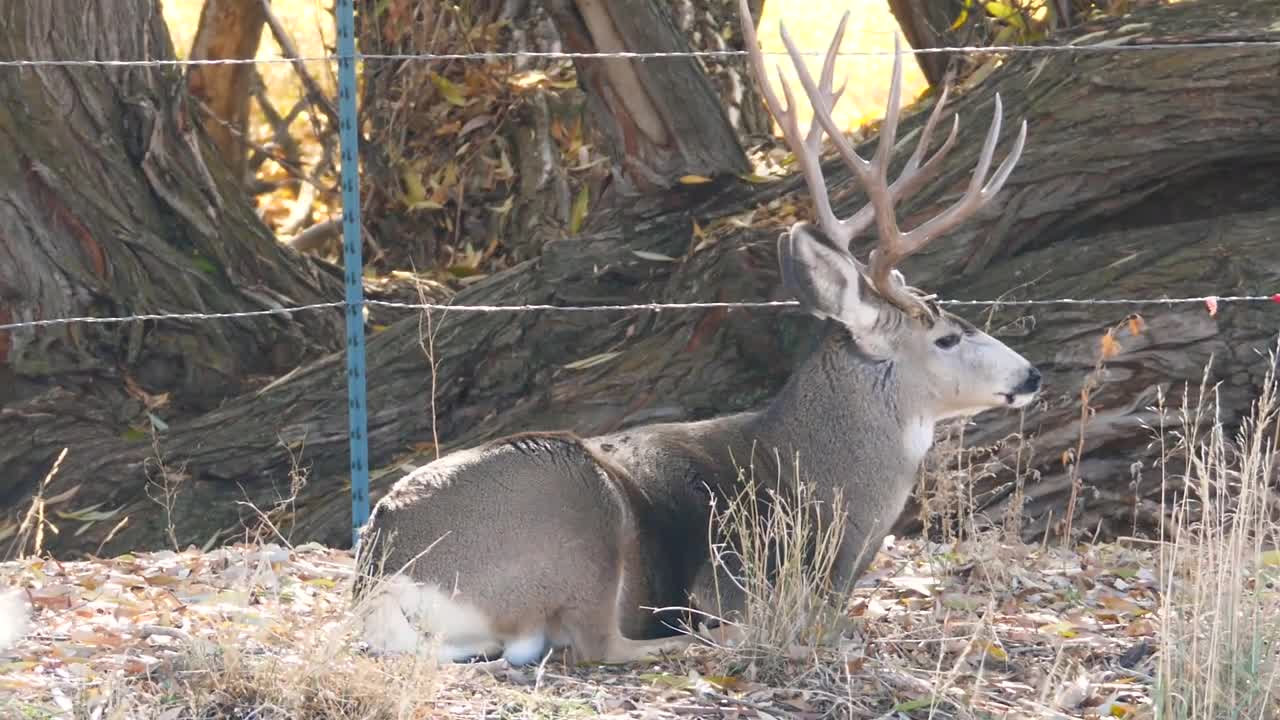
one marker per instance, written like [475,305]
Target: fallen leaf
[592,361]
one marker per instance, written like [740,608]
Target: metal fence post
[357,399]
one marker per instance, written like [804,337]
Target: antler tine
[980,191]
[808,148]
[894,245]
[872,174]
[913,175]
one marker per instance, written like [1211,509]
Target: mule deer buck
[548,540]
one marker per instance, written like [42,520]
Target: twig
[315,237]
[36,512]
[284,162]
[147,631]
[279,125]
[290,51]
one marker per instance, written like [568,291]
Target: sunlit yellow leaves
[581,205]
[527,80]
[451,93]
[1060,629]
[1005,13]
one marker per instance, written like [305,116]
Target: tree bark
[228,29]
[111,205]
[1146,174]
[711,26]
[660,117]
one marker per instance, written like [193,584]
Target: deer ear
[825,279]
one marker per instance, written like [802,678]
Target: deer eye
[946,342]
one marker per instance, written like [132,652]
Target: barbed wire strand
[432,57]
[638,307]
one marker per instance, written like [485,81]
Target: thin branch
[291,51]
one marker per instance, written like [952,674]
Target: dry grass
[778,555]
[1220,629]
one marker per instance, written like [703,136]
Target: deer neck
[848,418]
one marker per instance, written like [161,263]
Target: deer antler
[893,244]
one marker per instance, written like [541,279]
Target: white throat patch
[917,438]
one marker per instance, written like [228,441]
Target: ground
[982,629]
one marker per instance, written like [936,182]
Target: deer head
[955,368]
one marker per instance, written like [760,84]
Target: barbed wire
[554,55]
[636,307]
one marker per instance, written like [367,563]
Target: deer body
[549,540]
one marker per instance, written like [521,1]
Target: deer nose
[1030,384]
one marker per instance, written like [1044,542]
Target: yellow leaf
[724,682]
[592,361]
[999,10]
[1007,13]
[671,681]
[451,93]
[1136,324]
[415,191]
[655,257]
[693,179]
[1061,629]
[89,514]
[527,79]
[963,17]
[996,651]
[755,179]
[1110,347]
[579,212]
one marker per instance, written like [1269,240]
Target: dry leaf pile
[982,629]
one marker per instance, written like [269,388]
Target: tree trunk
[925,24]
[712,26]
[229,29]
[660,117]
[113,203]
[1131,186]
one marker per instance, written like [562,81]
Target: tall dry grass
[775,545]
[1219,641]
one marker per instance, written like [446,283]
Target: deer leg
[625,650]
